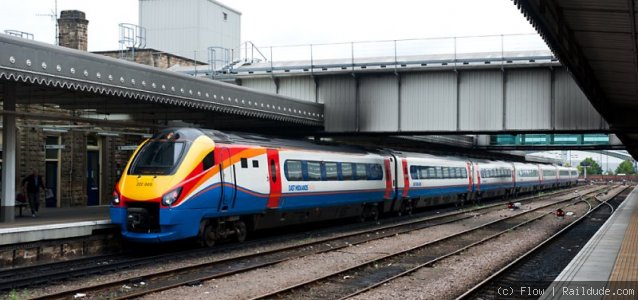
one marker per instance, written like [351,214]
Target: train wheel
[374,214]
[209,236]
[406,208]
[240,231]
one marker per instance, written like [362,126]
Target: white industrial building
[189,28]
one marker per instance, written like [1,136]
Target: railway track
[45,274]
[532,271]
[136,287]
[366,276]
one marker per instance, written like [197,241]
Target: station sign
[127,147]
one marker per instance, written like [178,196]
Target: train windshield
[158,158]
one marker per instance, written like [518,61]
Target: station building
[80,162]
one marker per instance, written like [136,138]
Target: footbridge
[473,85]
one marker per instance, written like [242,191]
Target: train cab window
[331,171]
[255,163]
[314,171]
[346,171]
[244,163]
[293,170]
[209,161]
[157,158]
[361,172]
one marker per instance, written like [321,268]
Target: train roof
[240,138]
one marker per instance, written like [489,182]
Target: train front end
[154,199]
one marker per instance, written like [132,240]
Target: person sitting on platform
[33,184]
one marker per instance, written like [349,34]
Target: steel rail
[289,289]
[534,250]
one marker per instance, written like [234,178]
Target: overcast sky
[286,22]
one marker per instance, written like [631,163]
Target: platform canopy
[597,41]
[77,80]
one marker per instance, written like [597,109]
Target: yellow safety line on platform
[625,273]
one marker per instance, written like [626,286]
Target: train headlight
[116,199]
[169,198]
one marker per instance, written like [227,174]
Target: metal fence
[398,51]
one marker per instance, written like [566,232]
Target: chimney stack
[73,27]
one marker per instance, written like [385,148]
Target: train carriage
[549,176]
[427,180]
[494,178]
[186,183]
[527,177]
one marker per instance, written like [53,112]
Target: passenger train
[205,184]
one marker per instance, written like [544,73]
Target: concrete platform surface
[595,272]
[55,223]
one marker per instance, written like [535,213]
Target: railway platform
[607,266]
[55,223]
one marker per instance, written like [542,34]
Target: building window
[52,147]
[225,16]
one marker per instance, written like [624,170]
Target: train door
[470,177]
[228,180]
[406,178]
[388,180]
[477,171]
[274,178]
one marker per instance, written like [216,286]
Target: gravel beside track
[537,271]
[254,283]
[455,275]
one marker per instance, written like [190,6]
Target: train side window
[361,171]
[431,173]
[423,173]
[273,170]
[255,163]
[292,170]
[346,171]
[331,171]
[464,172]
[414,172]
[376,172]
[244,163]
[446,172]
[439,173]
[209,161]
[314,170]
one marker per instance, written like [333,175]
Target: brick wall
[73,30]
[153,58]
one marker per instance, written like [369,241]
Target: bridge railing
[392,53]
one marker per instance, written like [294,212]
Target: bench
[20,206]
